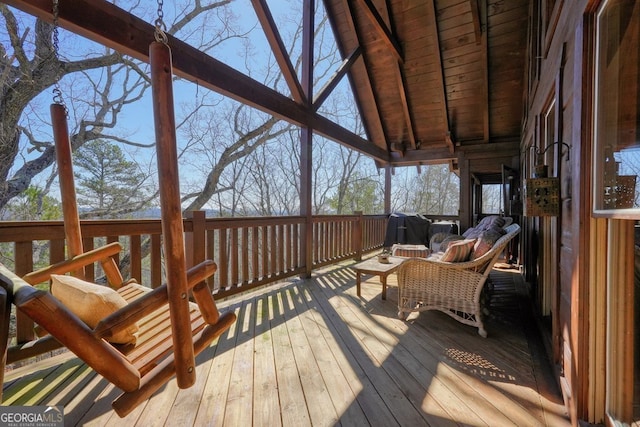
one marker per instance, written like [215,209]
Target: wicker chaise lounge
[454,288]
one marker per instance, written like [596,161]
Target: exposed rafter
[406,110]
[344,68]
[279,50]
[481,7]
[381,28]
[394,47]
[441,92]
[373,94]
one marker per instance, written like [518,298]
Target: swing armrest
[66,328]
[156,298]
[102,254]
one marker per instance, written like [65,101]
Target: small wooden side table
[372,266]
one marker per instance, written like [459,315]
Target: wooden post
[387,189]
[358,235]
[23,257]
[195,240]
[172,227]
[66,180]
[466,211]
[306,139]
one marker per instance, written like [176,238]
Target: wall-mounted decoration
[542,193]
[542,197]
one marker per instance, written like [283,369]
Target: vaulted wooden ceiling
[431,78]
[435,75]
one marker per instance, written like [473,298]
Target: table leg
[383,279]
[358,283]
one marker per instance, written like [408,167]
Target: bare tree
[97,87]
[435,190]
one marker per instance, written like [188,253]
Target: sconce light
[542,193]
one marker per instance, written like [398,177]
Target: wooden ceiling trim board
[279,50]
[432,155]
[381,28]
[405,108]
[113,27]
[442,90]
[367,66]
[475,13]
[485,60]
[333,81]
[372,123]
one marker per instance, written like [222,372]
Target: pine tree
[108,185]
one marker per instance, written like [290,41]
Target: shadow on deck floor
[310,352]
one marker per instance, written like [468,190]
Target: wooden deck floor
[309,352]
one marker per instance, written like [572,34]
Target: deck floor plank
[292,405]
[322,411]
[367,398]
[240,396]
[355,334]
[266,406]
[340,392]
[382,346]
[489,363]
[212,402]
[311,352]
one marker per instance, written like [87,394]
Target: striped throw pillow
[458,251]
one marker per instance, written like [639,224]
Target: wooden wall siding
[561,66]
[250,252]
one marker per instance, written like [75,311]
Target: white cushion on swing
[91,303]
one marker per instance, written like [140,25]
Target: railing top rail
[24,231]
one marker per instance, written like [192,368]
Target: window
[617,110]
[491,198]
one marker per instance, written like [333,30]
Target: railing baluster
[224,262]
[24,264]
[245,256]
[136,257]
[265,252]
[255,241]
[156,261]
[89,270]
[234,257]
[273,243]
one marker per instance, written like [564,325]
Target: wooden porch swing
[171,330]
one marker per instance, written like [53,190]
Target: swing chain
[160,33]
[57,93]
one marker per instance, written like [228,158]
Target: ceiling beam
[113,27]
[441,90]
[381,28]
[479,13]
[406,111]
[477,151]
[367,71]
[279,50]
[331,84]
[383,31]
[424,157]
[375,120]
[475,16]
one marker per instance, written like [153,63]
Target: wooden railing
[250,252]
